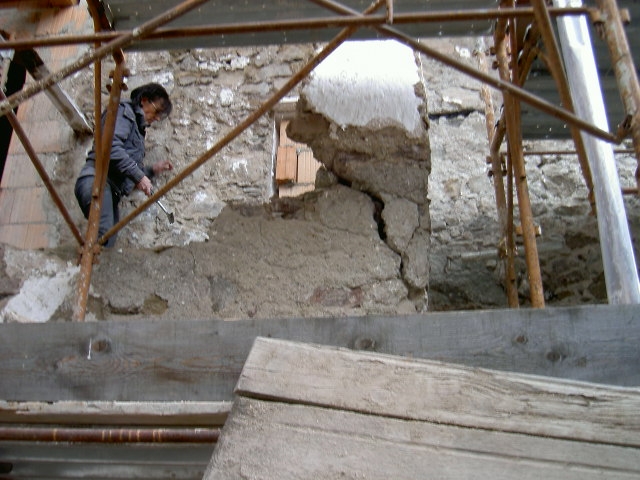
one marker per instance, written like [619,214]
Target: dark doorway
[16,77]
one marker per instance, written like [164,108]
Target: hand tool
[169,214]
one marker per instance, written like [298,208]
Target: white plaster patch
[463,52]
[40,297]
[240,164]
[209,125]
[164,78]
[200,197]
[226,97]
[368,84]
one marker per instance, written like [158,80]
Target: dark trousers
[110,214]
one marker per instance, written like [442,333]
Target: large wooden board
[440,393]
[158,360]
[307,411]
[269,441]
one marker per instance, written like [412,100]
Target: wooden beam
[25,4]
[441,393]
[211,414]
[64,104]
[201,360]
[302,441]
[311,411]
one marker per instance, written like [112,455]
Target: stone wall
[465,271]
[212,91]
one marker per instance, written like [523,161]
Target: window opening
[296,166]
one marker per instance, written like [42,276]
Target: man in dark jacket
[149,103]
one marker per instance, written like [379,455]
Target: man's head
[154,101]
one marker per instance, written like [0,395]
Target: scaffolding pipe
[19,131]
[621,274]
[301,24]
[498,185]
[91,248]
[246,123]
[555,66]
[624,69]
[109,435]
[119,43]
[514,136]
[146,29]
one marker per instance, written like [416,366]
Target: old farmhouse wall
[236,250]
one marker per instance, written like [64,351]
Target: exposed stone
[415,262]
[401,220]
[379,146]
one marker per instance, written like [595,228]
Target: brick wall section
[24,222]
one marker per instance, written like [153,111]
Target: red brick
[19,172]
[50,136]
[14,235]
[6,206]
[37,236]
[27,206]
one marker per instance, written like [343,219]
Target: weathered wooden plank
[163,360]
[307,166]
[286,164]
[439,392]
[210,414]
[269,440]
[54,461]
[34,64]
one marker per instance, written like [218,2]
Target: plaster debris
[40,297]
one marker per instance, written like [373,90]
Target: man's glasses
[160,114]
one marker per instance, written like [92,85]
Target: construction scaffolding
[524,36]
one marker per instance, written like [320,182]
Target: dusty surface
[326,264]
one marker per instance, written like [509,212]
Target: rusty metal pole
[514,134]
[119,43]
[86,268]
[555,66]
[624,68]
[108,435]
[19,131]
[498,185]
[242,126]
[103,151]
[403,18]
[91,247]
[505,210]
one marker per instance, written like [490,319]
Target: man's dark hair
[152,92]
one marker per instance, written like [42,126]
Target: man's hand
[162,166]
[144,185]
